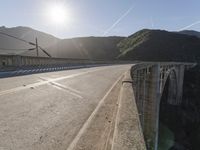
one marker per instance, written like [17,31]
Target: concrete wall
[13,61]
[128,133]
[20,61]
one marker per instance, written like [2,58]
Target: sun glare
[58,14]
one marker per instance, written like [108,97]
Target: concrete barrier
[15,61]
[128,133]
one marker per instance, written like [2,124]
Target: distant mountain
[147,45]
[87,47]
[28,34]
[158,45]
[190,32]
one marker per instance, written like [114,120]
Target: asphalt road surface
[48,110]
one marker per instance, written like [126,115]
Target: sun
[58,14]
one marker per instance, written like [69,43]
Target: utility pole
[36,44]
[37,47]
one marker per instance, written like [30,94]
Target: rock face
[184,120]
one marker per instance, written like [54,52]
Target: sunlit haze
[58,14]
[75,18]
[100,74]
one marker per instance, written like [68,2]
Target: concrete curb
[128,133]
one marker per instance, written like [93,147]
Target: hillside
[158,45]
[87,47]
[148,45]
[28,34]
[190,32]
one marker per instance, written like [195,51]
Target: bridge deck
[74,109]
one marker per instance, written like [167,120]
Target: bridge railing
[15,61]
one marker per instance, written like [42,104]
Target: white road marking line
[64,88]
[114,110]
[88,121]
[117,119]
[56,86]
[44,82]
[68,89]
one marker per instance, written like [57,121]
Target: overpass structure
[149,81]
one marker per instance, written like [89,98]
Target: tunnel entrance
[169,116]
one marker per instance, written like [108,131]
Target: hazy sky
[103,17]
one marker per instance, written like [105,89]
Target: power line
[16,49]
[16,38]
[45,51]
[31,43]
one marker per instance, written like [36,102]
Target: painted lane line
[88,121]
[56,87]
[117,116]
[17,89]
[116,120]
[64,88]
[69,90]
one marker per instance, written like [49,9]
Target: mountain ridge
[78,47]
[190,32]
[160,45]
[144,45]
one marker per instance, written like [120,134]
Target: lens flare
[58,14]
